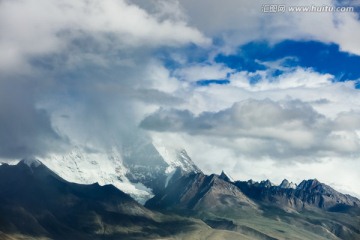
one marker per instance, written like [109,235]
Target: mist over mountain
[139,167]
[146,119]
[251,93]
[38,204]
[35,202]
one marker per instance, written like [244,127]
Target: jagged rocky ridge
[56,209]
[311,210]
[197,190]
[200,192]
[309,193]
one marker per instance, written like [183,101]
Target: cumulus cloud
[90,61]
[298,124]
[237,22]
[90,72]
[292,78]
[33,28]
[289,127]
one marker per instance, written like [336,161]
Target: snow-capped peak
[138,168]
[31,162]
[176,158]
[104,167]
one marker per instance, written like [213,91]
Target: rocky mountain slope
[262,210]
[35,203]
[199,192]
[308,194]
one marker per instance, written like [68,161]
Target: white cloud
[97,77]
[37,28]
[339,172]
[281,130]
[240,21]
[296,78]
[196,72]
[298,125]
[83,60]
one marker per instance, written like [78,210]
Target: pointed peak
[251,182]
[31,162]
[285,181]
[226,177]
[286,184]
[309,184]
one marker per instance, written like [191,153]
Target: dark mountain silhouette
[35,202]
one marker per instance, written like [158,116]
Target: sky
[260,95]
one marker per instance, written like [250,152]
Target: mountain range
[262,210]
[146,191]
[35,203]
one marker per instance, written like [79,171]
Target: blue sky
[257,95]
[322,57]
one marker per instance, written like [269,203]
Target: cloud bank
[67,67]
[96,73]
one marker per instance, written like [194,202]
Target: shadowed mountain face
[202,193]
[36,202]
[308,194]
[311,210]
[199,192]
[146,166]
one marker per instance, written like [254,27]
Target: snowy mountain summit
[139,168]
